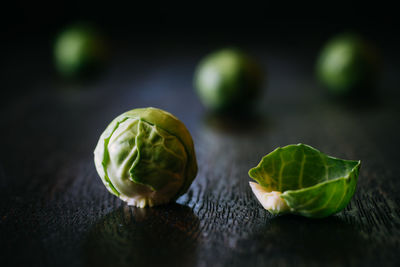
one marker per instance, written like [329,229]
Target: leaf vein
[303,160]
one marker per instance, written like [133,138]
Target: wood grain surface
[55,210]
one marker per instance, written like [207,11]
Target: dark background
[56,212]
[29,29]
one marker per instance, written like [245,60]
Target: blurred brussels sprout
[347,64]
[146,157]
[79,50]
[228,81]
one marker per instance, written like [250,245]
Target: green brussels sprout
[347,64]
[228,81]
[79,50]
[146,157]
[301,180]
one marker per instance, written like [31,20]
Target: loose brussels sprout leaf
[300,179]
[146,157]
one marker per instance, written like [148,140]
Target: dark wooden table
[55,211]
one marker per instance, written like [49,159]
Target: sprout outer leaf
[312,183]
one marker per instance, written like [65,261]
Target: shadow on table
[236,124]
[302,240]
[359,100]
[161,236]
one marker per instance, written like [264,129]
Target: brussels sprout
[301,180]
[347,64]
[228,81]
[79,50]
[146,157]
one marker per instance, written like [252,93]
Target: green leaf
[161,158]
[310,183]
